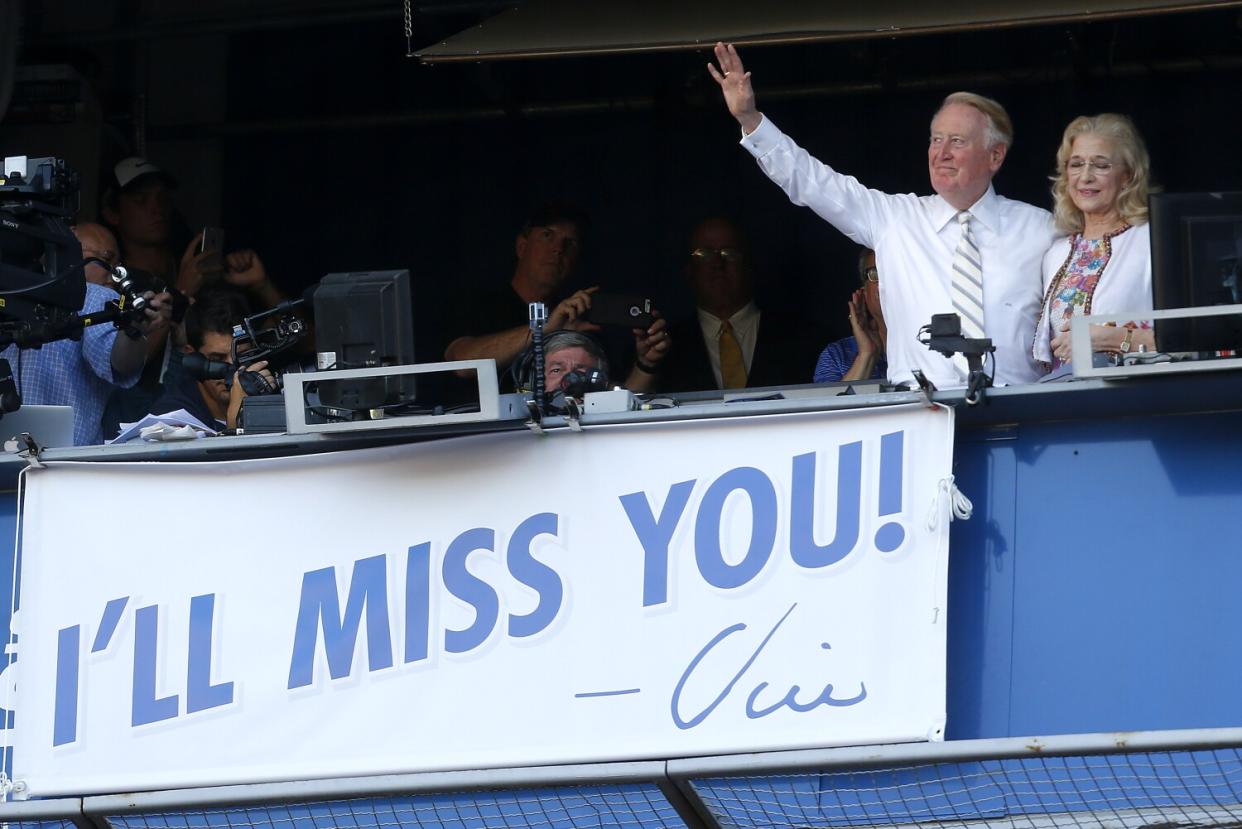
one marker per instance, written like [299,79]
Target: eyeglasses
[1079,165]
[726,254]
[108,256]
[872,274]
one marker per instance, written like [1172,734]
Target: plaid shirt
[73,373]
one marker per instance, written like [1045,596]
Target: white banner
[651,590]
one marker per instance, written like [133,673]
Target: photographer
[82,373]
[547,249]
[209,332]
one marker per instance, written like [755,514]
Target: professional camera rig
[268,335]
[42,277]
[944,335]
[41,280]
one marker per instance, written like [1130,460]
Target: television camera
[266,336]
[944,336]
[42,285]
[42,279]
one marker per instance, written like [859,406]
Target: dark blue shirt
[835,361]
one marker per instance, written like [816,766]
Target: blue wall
[1096,586]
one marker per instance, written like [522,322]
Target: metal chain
[409,31]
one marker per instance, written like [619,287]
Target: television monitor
[364,320]
[1196,261]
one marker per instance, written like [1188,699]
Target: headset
[575,383]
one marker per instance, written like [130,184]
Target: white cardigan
[1125,284]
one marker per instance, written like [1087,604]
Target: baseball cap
[129,170]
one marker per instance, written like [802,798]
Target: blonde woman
[1103,264]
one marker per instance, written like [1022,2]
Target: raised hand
[567,313]
[195,267]
[734,83]
[865,331]
[244,269]
[652,344]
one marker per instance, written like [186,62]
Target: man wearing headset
[568,352]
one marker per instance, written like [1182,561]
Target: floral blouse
[1071,290]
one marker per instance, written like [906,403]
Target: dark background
[305,131]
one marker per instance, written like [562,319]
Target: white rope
[948,499]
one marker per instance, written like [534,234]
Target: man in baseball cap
[129,172]
[138,205]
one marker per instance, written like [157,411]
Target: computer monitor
[364,320]
[1196,260]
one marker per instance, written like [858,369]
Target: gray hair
[564,338]
[999,129]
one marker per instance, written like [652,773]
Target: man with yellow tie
[730,343]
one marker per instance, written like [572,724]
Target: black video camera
[253,343]
[41,280]
[944,336]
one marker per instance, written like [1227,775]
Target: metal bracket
[485,377]
[26,448]
[573,414]
[535,423]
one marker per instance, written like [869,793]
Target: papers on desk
[178,425]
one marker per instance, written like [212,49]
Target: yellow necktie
[732,366]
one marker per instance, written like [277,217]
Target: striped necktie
[967,285]
[732,366]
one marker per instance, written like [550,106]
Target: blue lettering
[655,534]
[200,694]
[825,698]
[146,708]
[113,611]
[892,450]
[470,589]
[320,603]
[698,657]
[417,602]
[789,700]
[707,552]
[535,575]
[65,719]
[802,546]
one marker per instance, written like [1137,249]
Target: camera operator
[209,331]
[81,373]
[574,363]
[97,243]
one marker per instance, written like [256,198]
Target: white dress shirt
[745,330]
[914,238]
